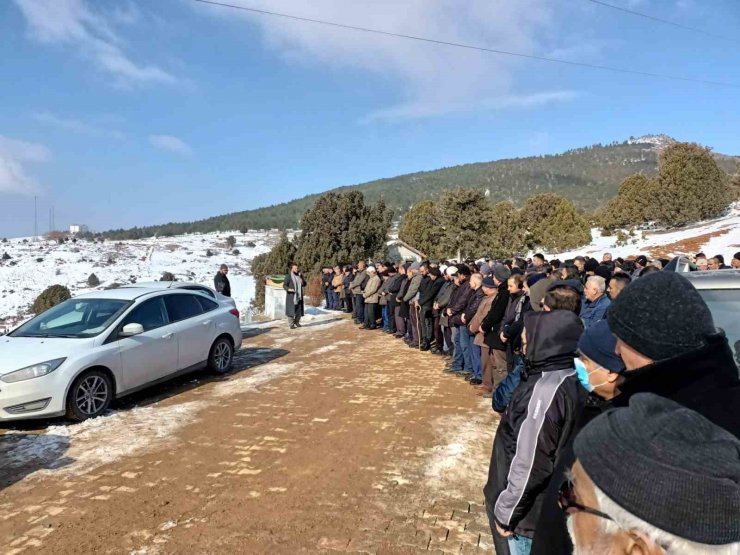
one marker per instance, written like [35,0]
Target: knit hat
[661,316]
[485,269]
[534,278]
[501,272]
[590,265]
[415,266]
[537,292]
[598,344]
[668,466]
[488,282]
[443,268]
[463,270]
[452,271]
[603,271]
[371,269]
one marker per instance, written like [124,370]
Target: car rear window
[181,307]
[207,304]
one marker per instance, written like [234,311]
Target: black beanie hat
[666,465]
[661,316]
[603,271]
[598,344]
[590,265]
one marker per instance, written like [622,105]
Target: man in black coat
[428,291]
[221,281]
[492,323]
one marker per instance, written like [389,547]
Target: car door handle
[207,322]
[168,335]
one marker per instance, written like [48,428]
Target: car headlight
[34,371]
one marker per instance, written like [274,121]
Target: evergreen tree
[340,228]
[93,281]
[277,261]
[636,203]
[50,297]
[692,185]
[230,241]
[554,224]
[422,229]
[465,216]
[508,236]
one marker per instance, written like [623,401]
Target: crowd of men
[619,397]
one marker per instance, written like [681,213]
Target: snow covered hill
[718,236]
[33,266]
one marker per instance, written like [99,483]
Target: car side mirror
[130,330]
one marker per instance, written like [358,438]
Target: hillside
[588,176]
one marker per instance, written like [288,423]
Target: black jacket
[222,285]
[513,322]
[458,303]
[428,291]
[705,380]
[492,322]
[537,424]
[472,307]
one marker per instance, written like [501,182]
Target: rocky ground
[326,439]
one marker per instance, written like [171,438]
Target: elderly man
[294,285]
[357,286]
[594,309]
[417,272]
[670,346]
[607,257]
[371,296]
[467,336]
[617,283]
[654,479]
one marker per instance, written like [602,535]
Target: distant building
[399,251]
[76,229]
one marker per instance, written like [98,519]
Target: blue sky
[126,112]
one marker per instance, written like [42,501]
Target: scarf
[297,287]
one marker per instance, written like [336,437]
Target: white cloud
[14,156]
[170,144]
[72,23]
[430,79]
[77,126]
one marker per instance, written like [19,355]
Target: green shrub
[168,276]
[93,281]
[50,297]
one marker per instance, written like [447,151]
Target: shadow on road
[322,322]
[244,359]
[23,454]
[249,333]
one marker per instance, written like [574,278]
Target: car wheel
[90,395]
[221,355]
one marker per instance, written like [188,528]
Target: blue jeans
[466,340]
[475,359]
[458,357]
[520,545]
[386,319]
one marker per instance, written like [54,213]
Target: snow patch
[265,374]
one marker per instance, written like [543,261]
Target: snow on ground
[33,266]
[718,236]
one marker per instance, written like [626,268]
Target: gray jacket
[413,288]
[372,290]
[356,285]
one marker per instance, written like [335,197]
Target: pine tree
[636,203]
[422,229]
[508,236]
[465,216]
[340,228]
[554,224]
[230,241]
[692,185]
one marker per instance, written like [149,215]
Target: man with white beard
[655,478]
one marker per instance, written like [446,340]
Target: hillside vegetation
[589,177]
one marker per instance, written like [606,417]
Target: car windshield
[75,318]
[725,307]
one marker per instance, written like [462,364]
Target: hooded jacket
[537,423]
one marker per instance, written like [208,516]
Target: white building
[400,251]
[74,229]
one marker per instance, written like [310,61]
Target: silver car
[190,286]
[720,289]
[75,358]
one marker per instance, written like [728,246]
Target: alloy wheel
[222,356]
[92,395]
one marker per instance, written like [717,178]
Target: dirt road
[325,439]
